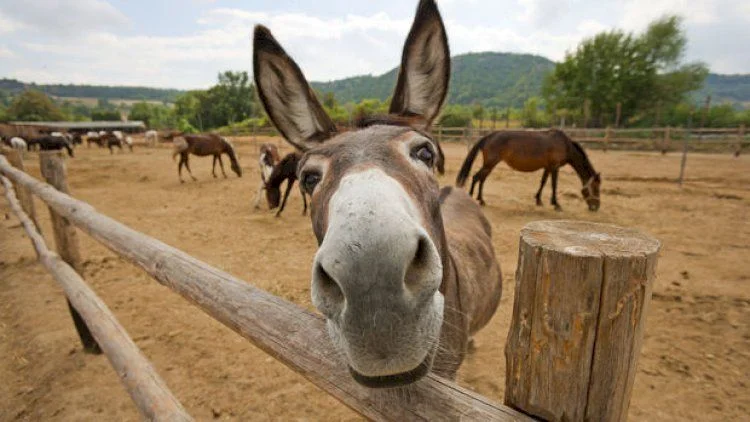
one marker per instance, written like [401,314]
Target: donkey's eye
[309,181]
[424,154]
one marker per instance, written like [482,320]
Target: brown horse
[530,151]
[286,169]
[405,272]
[203,145]
[269,156]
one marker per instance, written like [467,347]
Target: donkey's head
[375,206]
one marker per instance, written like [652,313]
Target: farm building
[32,129]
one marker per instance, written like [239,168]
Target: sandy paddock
[695,363]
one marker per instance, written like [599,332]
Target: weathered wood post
[22,193]
[740,140]
[607,136]
[66,240]
[582,295]
[667,140]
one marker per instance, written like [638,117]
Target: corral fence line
[650,139]
[568,358]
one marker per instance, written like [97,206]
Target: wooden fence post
[740,140]
[582,295]
[66,240]
[667,140]
[24,194]
[607,136]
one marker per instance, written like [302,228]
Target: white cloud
[6,53]
[63,17]
[334,45]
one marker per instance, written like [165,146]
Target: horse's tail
[466,167]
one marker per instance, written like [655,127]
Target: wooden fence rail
[147,389]
[292,335]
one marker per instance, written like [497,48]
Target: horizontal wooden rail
[148,390]
[292,335]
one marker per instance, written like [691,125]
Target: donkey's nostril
[418,273]
[327,293]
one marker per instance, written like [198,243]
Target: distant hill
[726,88]
[508,79]
[13,86]
[493,79]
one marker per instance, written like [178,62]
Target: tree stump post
[66,240]
[581,299]
[22,193]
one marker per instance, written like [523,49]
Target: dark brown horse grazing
[286,169]
[203,145]
[267,159]
[51,143]
[530,151]
[405,272]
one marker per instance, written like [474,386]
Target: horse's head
[375,206]
[273,196]
[590,192]
[236,168]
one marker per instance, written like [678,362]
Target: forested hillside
[13,86]
[491,79]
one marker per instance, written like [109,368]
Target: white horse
[19,144]
[129,142]
[152,137]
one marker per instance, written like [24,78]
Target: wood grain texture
[52,165]
[147,389]
[292,335]
[23,194]
[582,291]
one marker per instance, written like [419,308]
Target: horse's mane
[231,152]
[585,158]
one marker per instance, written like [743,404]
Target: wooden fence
[664,139]
[556,368]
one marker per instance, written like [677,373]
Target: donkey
[405,272]
[286,169]
[203,145]
[269,156]
[527,151]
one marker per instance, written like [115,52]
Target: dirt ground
[695,362]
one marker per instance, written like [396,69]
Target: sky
[185,43]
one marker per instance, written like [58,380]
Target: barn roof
[135,124]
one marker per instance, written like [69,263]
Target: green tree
[99,114]
[640,72]
[34,106]
[478,113]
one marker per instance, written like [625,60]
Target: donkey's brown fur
[405,272]
[204,145]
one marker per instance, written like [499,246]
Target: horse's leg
[289,185]
[187,165]
[213,167]
[179,169]
[481,176]
[541,186]
[258,195]
[221,163]
[554,189]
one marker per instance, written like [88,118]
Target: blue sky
[184,44]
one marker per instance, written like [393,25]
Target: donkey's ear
[286,95]
[425,67]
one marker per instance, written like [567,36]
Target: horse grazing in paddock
[203,145]
[94,138]
[151,137]
[286,169]
[111,140]
[405,272]
[51,143]
[267,159]
[530,151]
[18,143]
